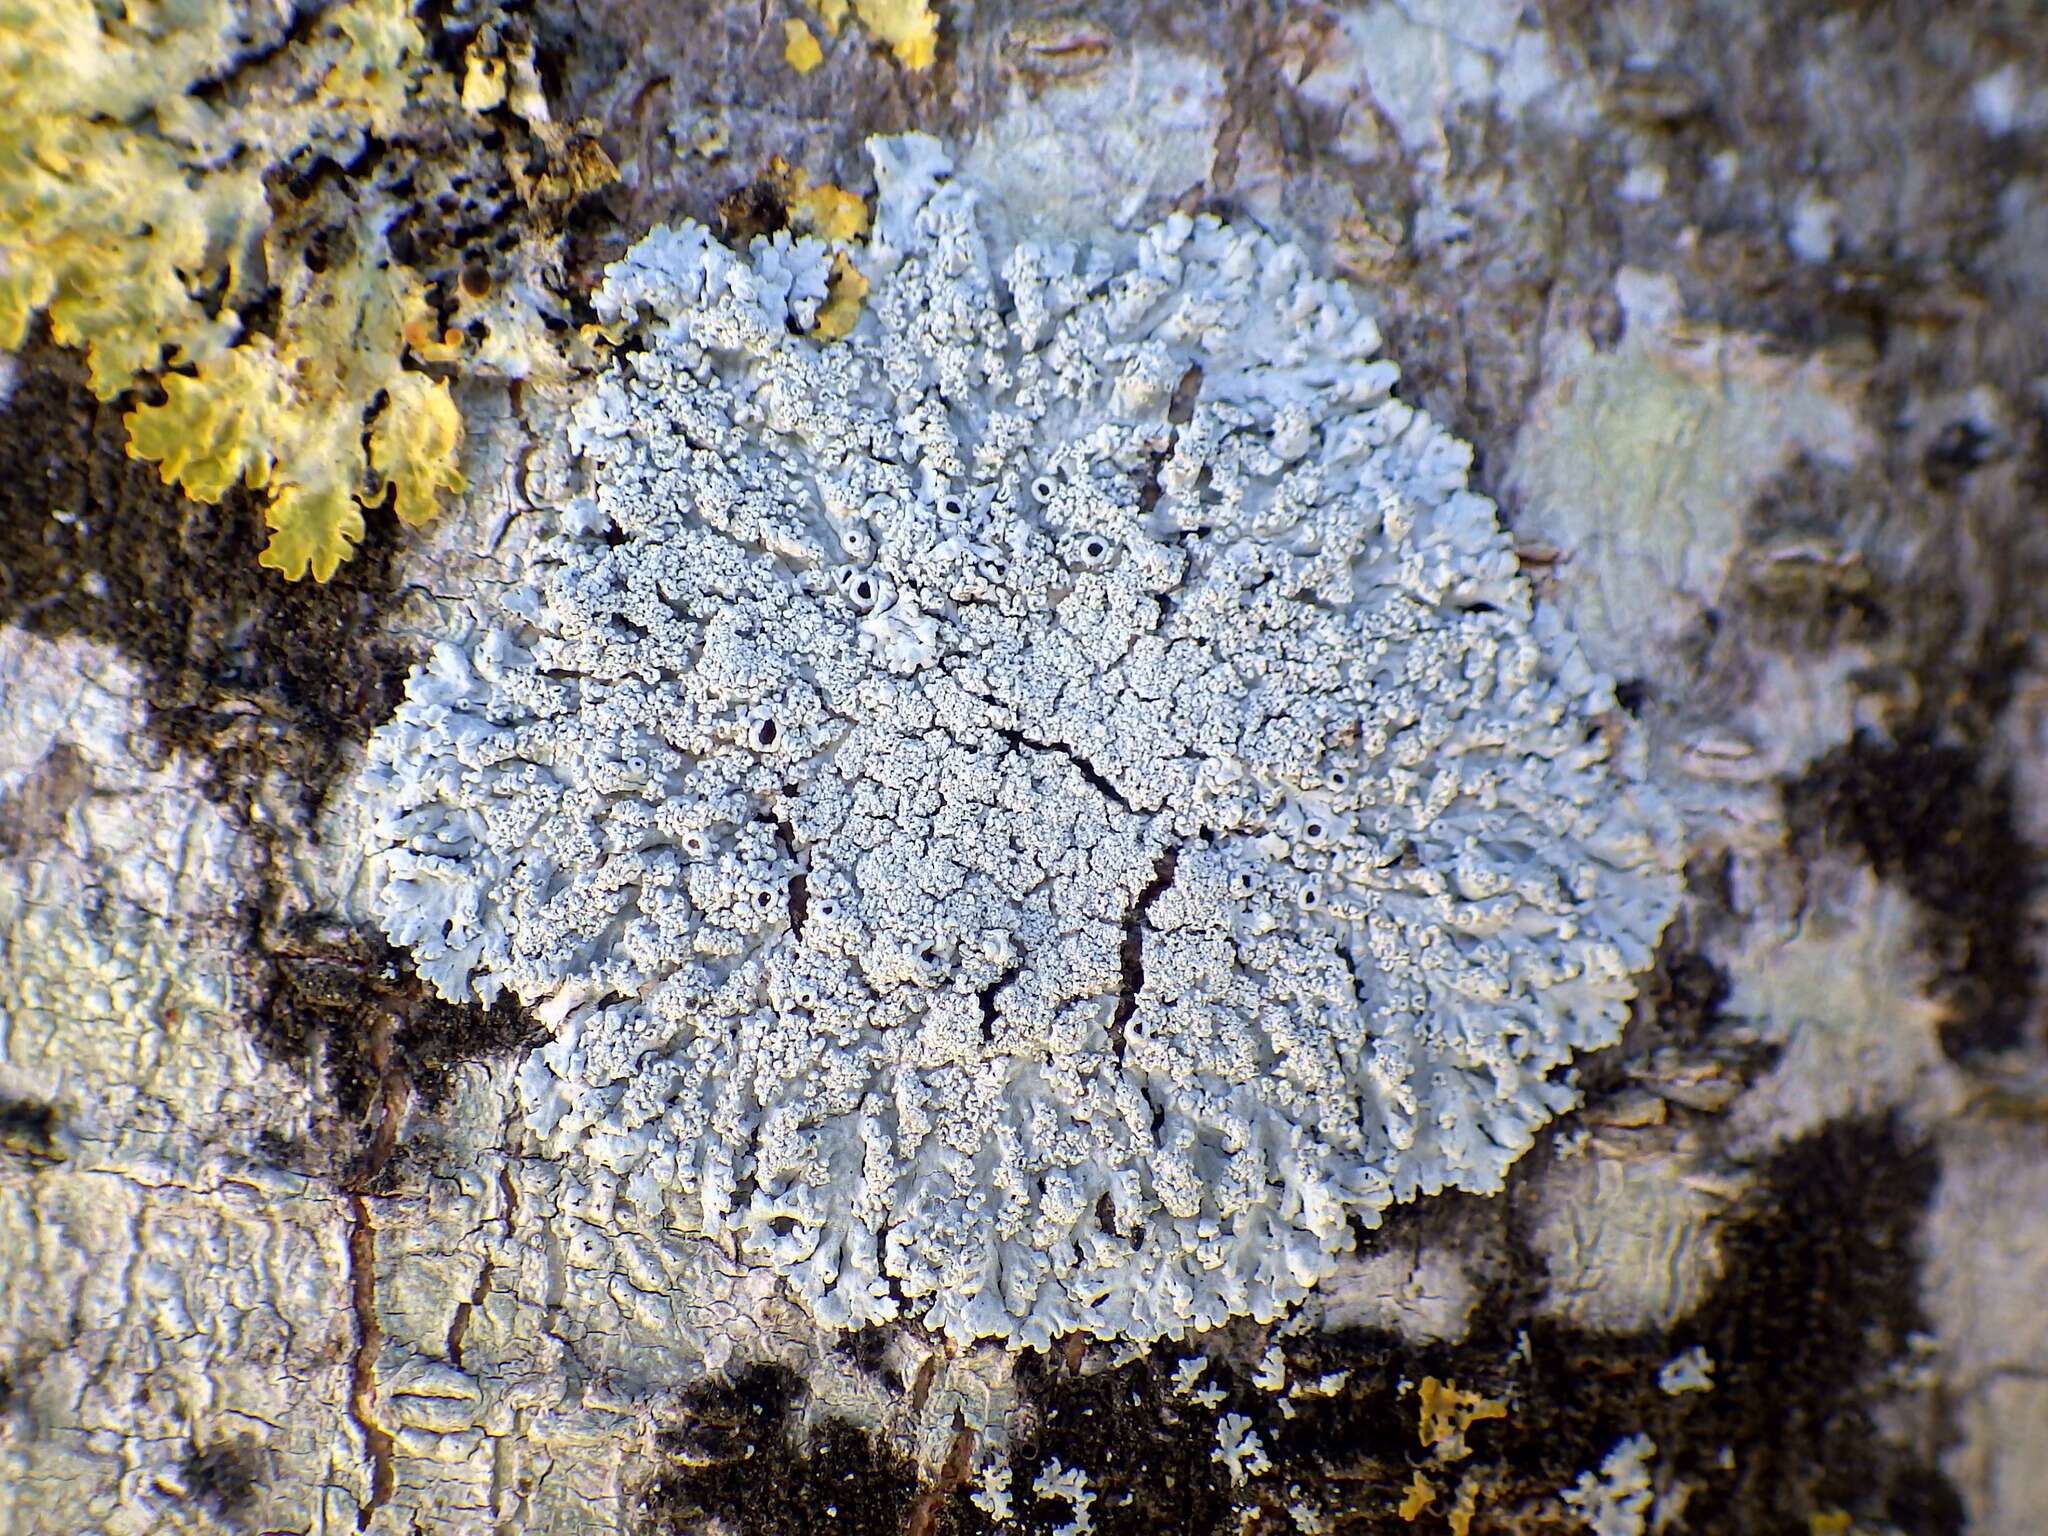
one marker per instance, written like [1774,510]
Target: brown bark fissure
[362,1374]
[924,1513]
[458,1327]
[393,1092]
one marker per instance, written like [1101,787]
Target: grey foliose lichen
[1035,817]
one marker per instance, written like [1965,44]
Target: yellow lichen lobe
[1420,1496]
[1447,1412]
[101,221]
[838,217]
[415,445]
[287,412]
[135,213]
[373,73]
[483,81]
[909,27]
[1464,1508]
[210,430]
[312,528]
[845,291]
[800,48]
[831,213]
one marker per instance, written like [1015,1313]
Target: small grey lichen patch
[1616,1500]
[1039,816]
[1239,1449]
[1690,1370]
[1056,1480]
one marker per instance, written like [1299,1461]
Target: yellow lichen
[1420,1496]
[287,412]
[800,48]
[483,81]
[829,212]
[711,138]
[414,445]
[1447,1412]
[313,526]
[373,76]
[210,430]
[134,212]
[98,224]
[524,92]
[834,215]
[845,291]
[1463,1508]
[909,27]
[1833,1522]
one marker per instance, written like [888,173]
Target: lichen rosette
[1044,815]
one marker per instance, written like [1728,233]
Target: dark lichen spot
[799,903]
[1958,450]
[1820,1297]
[344,998]
[1816,1305]
[223,1477]
[1802,583]
[733,1457]
[28,1130]
[262,680]
[33,813]
[867,1348]
[758,208]
[1686,993]
[987,998]
[1674,1034]
[1148,1452]
[436,1037]
[1925,812]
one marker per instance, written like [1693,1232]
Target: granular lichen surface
[1040,816]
